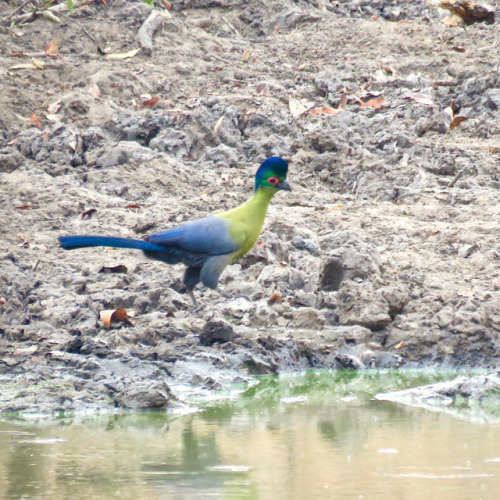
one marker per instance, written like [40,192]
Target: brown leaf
[167,4]
[35,120]
[23,207]
[88,213]
[457,121]
[133,205]
[113,316]
[275,297]
[398,346]
[120,268]
[326,110]
[375,103]
[94,91]
[458,49]
[343,102]
[494,149]
[150,102]
[52,47]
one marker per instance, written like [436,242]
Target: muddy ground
[386,253]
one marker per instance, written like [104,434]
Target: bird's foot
[233,296]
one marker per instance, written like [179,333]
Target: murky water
[315,435]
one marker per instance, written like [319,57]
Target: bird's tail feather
[82,241]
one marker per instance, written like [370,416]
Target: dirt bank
[386,253]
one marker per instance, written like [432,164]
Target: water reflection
[315,435]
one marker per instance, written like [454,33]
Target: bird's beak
[285,185]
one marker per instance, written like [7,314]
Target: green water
[308,436]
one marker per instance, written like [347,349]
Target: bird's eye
[273,180]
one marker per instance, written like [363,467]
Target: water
[314,435]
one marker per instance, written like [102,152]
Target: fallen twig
[16,11]
[16,18]
[34,54]
[68,18]
[455,179]
[149,26]
[231,26]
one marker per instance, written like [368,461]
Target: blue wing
[197,239]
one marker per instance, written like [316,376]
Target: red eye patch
[273,180]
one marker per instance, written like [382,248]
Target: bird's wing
[209,236]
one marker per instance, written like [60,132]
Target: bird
[206,246]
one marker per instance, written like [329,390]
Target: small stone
[305,244]
[308,317]
[328,82]
[10,161]
[216,331]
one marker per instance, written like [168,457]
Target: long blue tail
[82,241]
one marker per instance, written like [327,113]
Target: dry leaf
[324,110]
[343,102]
[53,107]
[335,207]
[457,120]
[218,124]
[52,47]
[246,55]
[275,297]
[37,63]
[449,111]
[150,102]
[167,4]
[204,192]
[88,213]
[23,66]
[35,120]
[94,91]
[375,103]
[133,205]
[113,316]
[123,55]
[494,149]
[26,351]
[421,99]
[23,207]
[398,346]
[296,107]
[120,268]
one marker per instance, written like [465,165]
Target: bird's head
[272,174]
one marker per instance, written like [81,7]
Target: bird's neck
[258,203]
[254,210]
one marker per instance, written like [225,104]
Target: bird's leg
[193,298]
[233,296]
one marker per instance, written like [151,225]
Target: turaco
[206,246]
